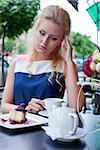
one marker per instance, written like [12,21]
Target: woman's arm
[7,98]
[72,78]
[72,87]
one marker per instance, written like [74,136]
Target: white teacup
[64,120]
[50,102]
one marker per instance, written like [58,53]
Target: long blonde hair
[59,16]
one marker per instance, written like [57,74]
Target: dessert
[17,115]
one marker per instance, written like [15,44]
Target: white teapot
[63,119]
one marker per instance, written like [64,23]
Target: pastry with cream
[18,115]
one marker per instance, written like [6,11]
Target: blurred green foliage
[82,44]
[10,45]
[21,48]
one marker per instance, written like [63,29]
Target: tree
[16,16]
[83,46]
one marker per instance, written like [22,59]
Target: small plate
[80,133]
[32,120]
[43,113]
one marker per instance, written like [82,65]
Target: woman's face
[48,37]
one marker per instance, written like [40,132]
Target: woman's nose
[45,40]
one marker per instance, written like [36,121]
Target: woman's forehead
[51,27]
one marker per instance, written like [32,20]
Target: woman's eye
[53,38]
[42,33]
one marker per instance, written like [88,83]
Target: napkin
[54,133]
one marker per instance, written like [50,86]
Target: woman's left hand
[68,50]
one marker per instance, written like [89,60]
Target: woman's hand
[68,50]
[35,105]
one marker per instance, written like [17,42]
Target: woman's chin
[39,51]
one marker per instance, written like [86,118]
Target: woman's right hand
[68,49]
[35,105]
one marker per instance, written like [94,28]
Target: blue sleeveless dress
[42,82]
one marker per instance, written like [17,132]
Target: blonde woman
[48,69]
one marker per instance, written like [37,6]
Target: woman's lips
[42,48]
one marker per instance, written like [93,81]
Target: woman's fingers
[31,109]
[68,44]
[42,103]
[68,49]
[34,106]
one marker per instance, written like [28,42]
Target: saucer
[43,113]
[80,133]
[55,135]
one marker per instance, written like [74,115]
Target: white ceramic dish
[32,120]
[80,133]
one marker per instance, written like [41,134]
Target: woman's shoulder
[20,62]
[22,57]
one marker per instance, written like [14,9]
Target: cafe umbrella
[74,3]
[94,12]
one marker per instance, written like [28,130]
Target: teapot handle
[76,123]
